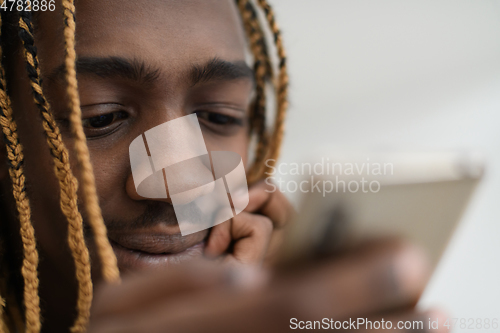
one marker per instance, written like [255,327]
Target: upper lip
[155,241]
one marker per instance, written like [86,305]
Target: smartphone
[418,196]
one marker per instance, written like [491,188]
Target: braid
[257,44]
[267,148]
[16,172]
[256,34]
[67,182]
[3,325]
[108,258]
[281,87]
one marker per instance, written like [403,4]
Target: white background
[423,74]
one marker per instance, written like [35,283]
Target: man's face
[140,64]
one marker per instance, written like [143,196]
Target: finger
[259,194]
[373,278]
[175,312]
[251,233]
[273,250]
[219,239]
[369,281]
[267,200]
[137,290]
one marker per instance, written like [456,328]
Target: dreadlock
[67,182]
[16,172]
[267,147]
[268,144]
[281,88]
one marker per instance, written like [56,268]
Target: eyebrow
[218,69]
[117,67]
[110,67]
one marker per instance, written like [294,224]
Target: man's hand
[369,282]
[254,235]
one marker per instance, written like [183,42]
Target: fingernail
[411,270]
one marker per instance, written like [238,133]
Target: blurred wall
[420,74]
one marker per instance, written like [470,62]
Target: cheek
[111,169]
[237,143]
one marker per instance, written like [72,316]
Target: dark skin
[168,40]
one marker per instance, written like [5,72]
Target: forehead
[173,32]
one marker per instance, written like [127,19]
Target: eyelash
[109,121]
[219,119]
[104,124]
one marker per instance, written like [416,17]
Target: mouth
[155,248]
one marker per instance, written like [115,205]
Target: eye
[218,118]
[103,124]
[100,121]
[103,120]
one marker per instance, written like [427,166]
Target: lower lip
[132,260]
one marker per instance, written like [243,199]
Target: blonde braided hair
[3,327]
[267,147]
[281,88]
[256,40]
[109,267]
[16,172]
[67,182]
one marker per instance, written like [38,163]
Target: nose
[189,180]
[160,187]
[170,159]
